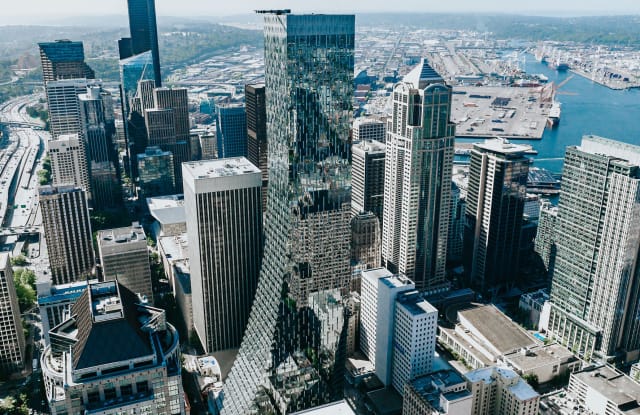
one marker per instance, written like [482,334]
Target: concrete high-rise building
[367,178]
[415,329]
[114,354]
[418,169]
[106,191]
[160,125]
[124,257]
[69,162]
[12,342]
[155,172]
[64,106]
[144,34]
[367,129]
[545,243]
[498,390]
[595,285]
[67,231]
[208,146]
[493,217]
[231,131]
[377,316]
[365,241]
[257,151]
[63,59]
[223,205]
[286,361]
[98,124]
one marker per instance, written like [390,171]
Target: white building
[605,391]
[378,301]
[223,206]
[64,105]
[69,162]
[414,338]
[501,391]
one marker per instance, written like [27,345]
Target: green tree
[25,284]
[532,379]
[44,175]
[19,261]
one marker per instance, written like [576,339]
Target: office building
[224,225]
[417,188]
[55,302]
[493,217]
[124,257]
[67,232]
[177,100]
[414,338]
[106,191]
[365,241]
[69,162]
[63,59]
[155,172]
[114,354]
[308,72]
[133,70]
[377,311]
[455,241]
[596,280]
[498,390]
[368,129]
[98,124]
[545,244]
[209,146]
[64,106]
[144,34]
[367,178]
[12,342]
[257,151]
[231,131]
[440,393]
[603,390]
[168,211]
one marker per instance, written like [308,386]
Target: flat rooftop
[599,145]
[386,277]
[167,209]
[520,389]
[498,329]
[209,169]
[415,303]
[539,356]
[502,146]
[335,408]
[370,146]
[613,385]
[128,234]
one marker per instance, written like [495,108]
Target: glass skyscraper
[292,354]
[144,34]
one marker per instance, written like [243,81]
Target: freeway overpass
[21,124]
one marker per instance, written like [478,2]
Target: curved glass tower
[292,353]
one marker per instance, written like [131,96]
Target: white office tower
[367,178]
[418,169]
[64,106]
[69,162]
[369,129]
[377,309]
[414,338]
[498,390]
[223,204]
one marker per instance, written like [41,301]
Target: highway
[21,151]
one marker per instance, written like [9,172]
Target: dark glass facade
[292,354]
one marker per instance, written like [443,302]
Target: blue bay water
[590,108]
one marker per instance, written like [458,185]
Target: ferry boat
[554,114]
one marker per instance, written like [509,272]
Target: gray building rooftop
[118,236]
[614,386]
[502,146]
[208,169]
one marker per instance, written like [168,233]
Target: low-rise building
[545,362]
[534,304]
[114,355]
[440,393]
[499,390]
[605,391]
[168,211]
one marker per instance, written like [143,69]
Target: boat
[531,152]
[541,181]
[554,114]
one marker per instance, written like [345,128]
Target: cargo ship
[554,114]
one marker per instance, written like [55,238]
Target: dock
[509,112]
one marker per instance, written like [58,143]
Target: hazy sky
[53,8]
